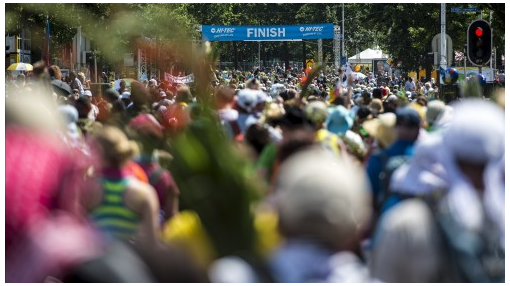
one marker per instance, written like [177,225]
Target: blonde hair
[115,146]
[81,77]
[253,83]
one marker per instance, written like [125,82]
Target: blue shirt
[375,163]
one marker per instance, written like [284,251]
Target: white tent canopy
[367,56]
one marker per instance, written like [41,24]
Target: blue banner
[267,33]
[464,10]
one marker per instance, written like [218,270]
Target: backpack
[470,256]
[155,176]
[390,164]
[473,256]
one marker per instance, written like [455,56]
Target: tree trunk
[234,45]
[498,59]
[286,53]
[428,72]
[304,54]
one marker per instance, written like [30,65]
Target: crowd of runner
[359,182]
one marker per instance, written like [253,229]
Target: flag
[335,92]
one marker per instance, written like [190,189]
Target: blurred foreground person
[381,164]
[123,262]
[459,238]
[150,136]
[317,112]
[323,214]
[225,99]
[124,207]
[45,233]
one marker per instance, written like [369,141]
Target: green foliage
[402,30]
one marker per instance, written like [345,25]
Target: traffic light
[89,58]
[479,42]
[432,58]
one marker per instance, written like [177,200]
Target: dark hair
[299,141]
[112,95]
[184,94]
[339,100]
[422,100]
[366,97]
[139,94]
[224,94]
[83,106]
[38,68]
[55,72]
[377,93]
[292,93]
[363,112]
[257,137]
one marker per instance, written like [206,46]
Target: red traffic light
[479,32]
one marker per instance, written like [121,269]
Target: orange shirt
[137,171]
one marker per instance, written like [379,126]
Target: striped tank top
[113,217]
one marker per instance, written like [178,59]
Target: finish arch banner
[213,33]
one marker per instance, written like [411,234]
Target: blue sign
[267,33]
[464,10]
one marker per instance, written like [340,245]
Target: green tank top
[113,217]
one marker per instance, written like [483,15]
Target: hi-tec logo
[265,32]
[223,30]
[311,29]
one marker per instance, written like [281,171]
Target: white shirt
[409,85]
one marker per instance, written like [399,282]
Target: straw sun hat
[116,148]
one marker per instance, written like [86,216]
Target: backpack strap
[474,256]
[237,131]
[390,164]
[382,176]
[155,176]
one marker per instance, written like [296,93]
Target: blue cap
[408,117]
[339,120]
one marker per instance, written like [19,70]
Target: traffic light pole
[465,62]
[443,36]
[480,68]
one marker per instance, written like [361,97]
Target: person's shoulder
[408,214]
[376,159]
[140,188]
[379,154]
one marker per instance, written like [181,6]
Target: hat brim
[371,126]
[413,179]
[381,131]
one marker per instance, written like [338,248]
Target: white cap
[87,93]
[477,131]
[263,97]
[329,202]
[247,99]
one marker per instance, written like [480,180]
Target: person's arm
[171,204]
[142,199]
[80,87]
[149,228]
[374,167]
[348,96]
